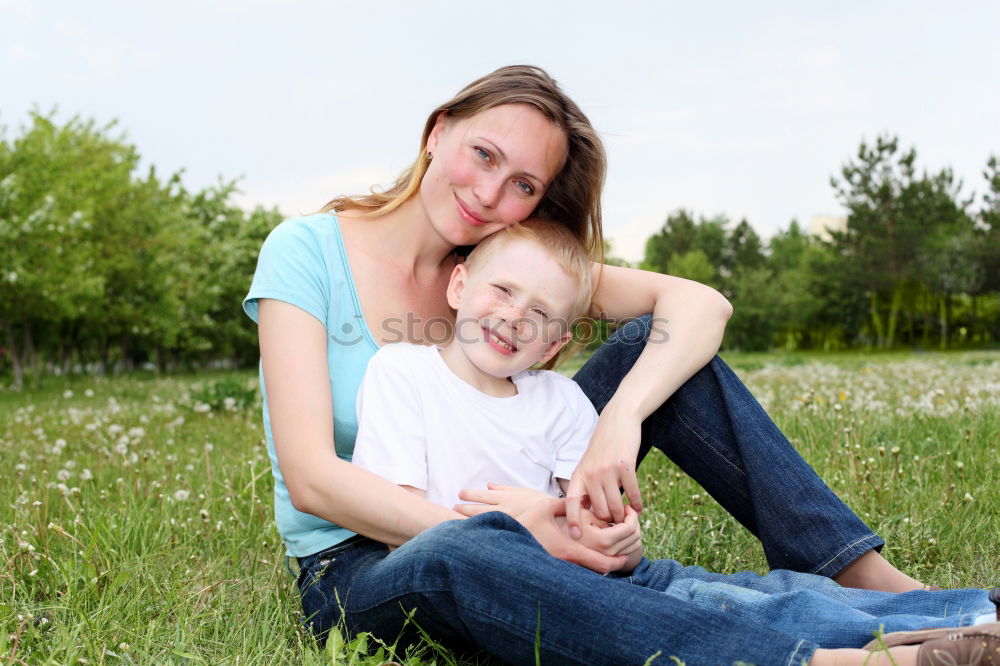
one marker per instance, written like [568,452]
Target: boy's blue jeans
[486,583]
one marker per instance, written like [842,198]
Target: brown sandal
[956,646]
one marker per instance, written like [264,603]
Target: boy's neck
[458,363]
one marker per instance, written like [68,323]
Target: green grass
[137,526]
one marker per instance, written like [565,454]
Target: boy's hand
[540,520]
[512,500]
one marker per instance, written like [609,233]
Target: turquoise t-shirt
[303,262]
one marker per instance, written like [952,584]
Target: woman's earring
[429,155]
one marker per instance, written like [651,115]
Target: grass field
[137,525]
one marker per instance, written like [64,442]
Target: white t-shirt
[420,425]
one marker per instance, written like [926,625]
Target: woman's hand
[512,500]
[611,539]
[606,467]
[540,520]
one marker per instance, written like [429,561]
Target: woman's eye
[525,187]
[483,154]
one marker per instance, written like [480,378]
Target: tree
[681,234]
[676,236]
[895,226]
[694,265]
[988,229]
[744,250]
[55,179]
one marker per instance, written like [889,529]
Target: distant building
[821,225]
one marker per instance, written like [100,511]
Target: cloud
[20,54]
[102,58]
[300,197]
[22,9]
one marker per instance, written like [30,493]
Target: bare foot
[897,656]
[871,571]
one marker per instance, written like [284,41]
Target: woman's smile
[466,213]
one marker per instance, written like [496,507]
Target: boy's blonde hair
[559,243]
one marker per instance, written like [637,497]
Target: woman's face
[489,171]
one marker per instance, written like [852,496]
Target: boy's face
[512,309]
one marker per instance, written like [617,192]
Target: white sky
[740,108]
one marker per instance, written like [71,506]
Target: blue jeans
[717,432]
[485,584]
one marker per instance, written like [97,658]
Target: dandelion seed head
[181,495]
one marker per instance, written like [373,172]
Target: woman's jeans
[486,583]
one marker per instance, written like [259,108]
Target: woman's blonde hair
[573,199]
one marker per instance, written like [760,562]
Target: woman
[338,286]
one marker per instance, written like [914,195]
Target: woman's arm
[689,319]
[293,354]
[293,348]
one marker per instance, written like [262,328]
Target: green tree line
[104,266]
[917,266]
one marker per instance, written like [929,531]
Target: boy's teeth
[499,341]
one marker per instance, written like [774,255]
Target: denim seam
[707,443]
[842,551]
[798,648]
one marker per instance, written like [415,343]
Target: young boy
[440,420]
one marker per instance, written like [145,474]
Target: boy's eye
[540,312]
[502,289]
[483,154]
